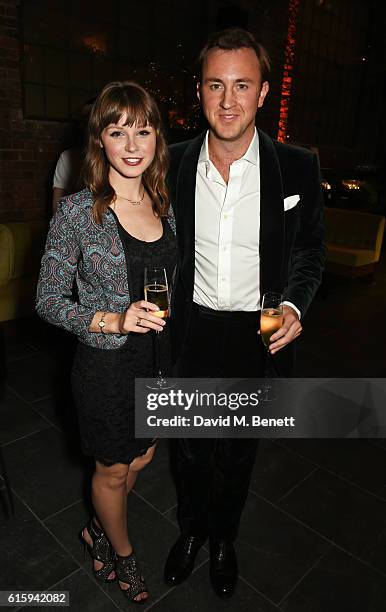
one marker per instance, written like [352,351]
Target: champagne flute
[271,319]
[156,291]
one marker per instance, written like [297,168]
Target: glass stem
[157,356]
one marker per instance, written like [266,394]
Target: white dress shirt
[227,257]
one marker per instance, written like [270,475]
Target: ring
[139,322]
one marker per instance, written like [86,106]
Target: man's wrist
[286,303]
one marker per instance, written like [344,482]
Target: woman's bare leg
[110,486]
[130,481]
[137,465]
[110,504]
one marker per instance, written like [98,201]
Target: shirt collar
[251,154]
[204,153]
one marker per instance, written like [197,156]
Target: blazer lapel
[271,218]
[185,211]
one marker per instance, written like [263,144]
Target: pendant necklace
[133,202]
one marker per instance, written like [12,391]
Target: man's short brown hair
[237,38]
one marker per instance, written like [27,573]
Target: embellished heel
[101,550]
[128,572]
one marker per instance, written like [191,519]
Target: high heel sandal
[128,571]
[101,550]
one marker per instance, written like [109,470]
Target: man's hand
[290,330]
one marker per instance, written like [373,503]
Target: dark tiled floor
[313,534]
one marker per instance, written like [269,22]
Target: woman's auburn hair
[129,99]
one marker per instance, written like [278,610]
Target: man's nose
[228,100]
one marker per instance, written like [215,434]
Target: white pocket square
[291,201]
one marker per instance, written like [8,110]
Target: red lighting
[175,119]
[95,44]
[289,56]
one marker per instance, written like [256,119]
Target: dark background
[55,54]
[313,533]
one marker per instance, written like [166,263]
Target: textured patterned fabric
[79,249]
[103,382]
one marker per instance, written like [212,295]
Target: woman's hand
[139,318]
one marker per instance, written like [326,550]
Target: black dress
[103,380]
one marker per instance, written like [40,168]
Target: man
[249,220]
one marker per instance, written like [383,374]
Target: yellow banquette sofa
[21,248]
[354,241]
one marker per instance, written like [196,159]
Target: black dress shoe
[223,567]
[180,562]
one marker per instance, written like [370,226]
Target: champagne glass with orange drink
[271,319]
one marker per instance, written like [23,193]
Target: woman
[104,237]
[67,177]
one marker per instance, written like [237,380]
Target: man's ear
[198,86]
[263,92]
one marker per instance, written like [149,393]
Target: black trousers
[213,475]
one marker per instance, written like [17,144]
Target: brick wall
[28,149]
